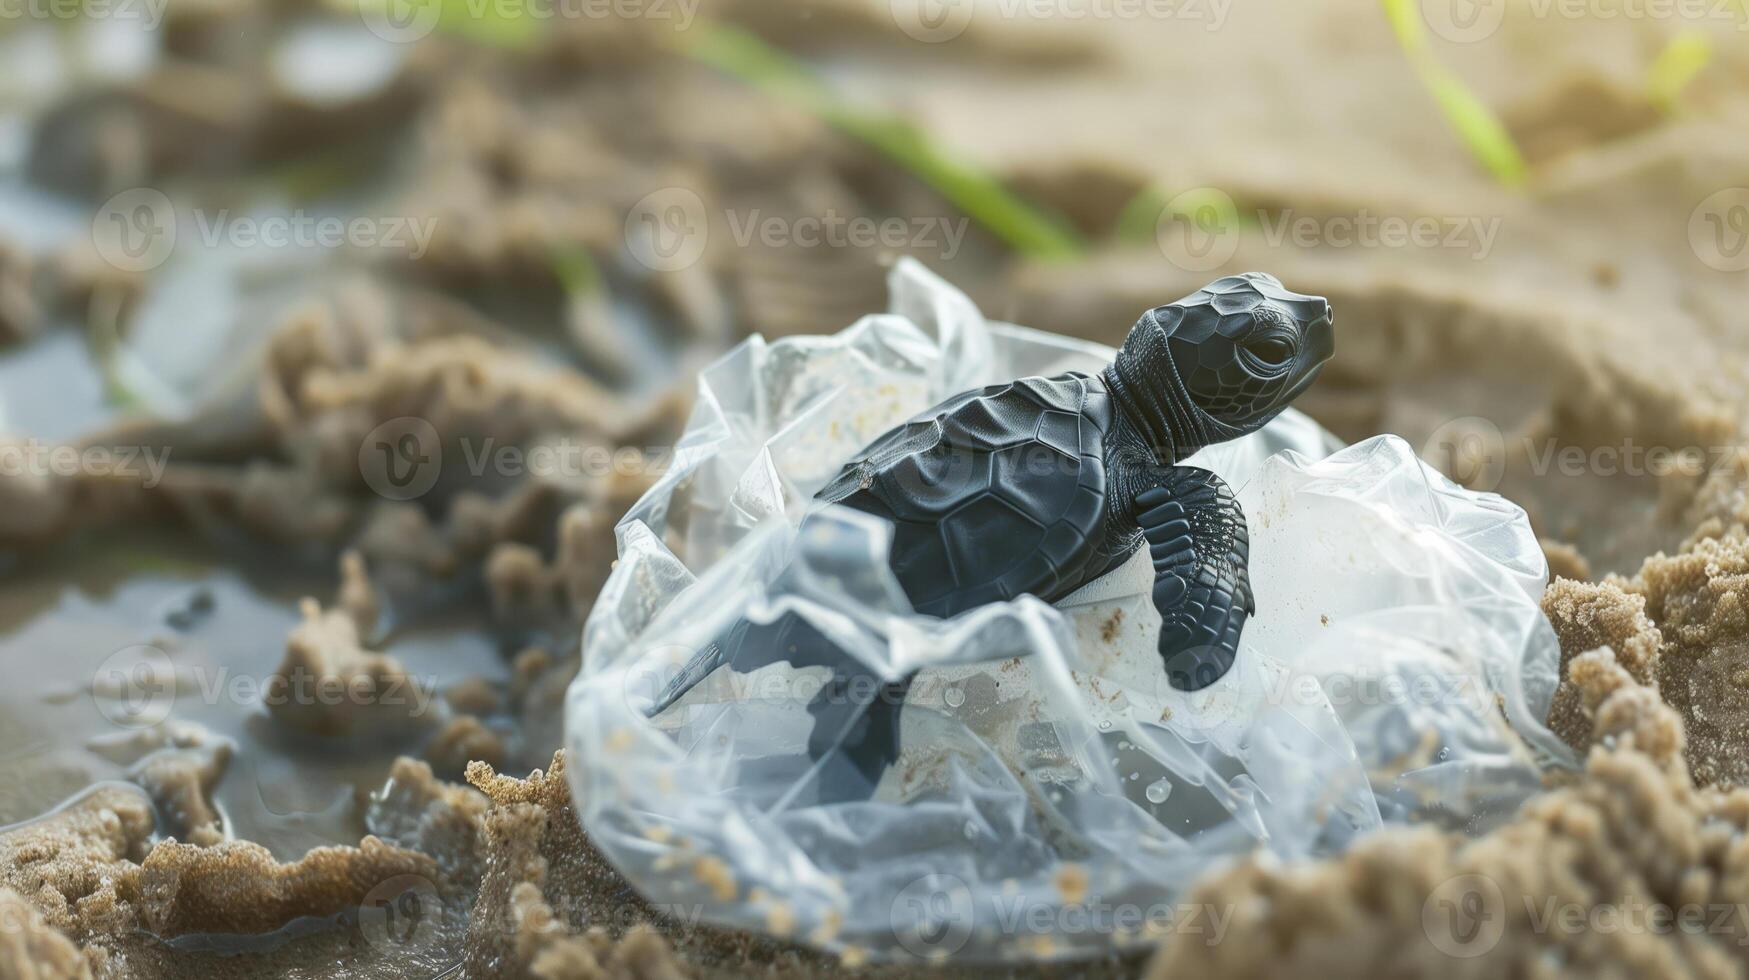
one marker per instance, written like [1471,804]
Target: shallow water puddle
[68,620]
[51,389]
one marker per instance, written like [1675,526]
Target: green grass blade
[1481,131]
[1139,222]
[577,271]
[1686,56]
[1023,227]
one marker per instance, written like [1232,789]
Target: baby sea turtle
[1041,485]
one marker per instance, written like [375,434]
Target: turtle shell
[992,494]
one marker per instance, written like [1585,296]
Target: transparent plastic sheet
[1054,796]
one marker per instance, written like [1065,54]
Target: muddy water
[74,619]
[51,390]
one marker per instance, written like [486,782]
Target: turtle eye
[1273,351]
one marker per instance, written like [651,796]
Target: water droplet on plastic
[954,697]
[1158,790]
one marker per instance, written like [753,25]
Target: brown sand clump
[542,901]
[1632,871]
[1680,627]
[178,764]
[20,312]
[1587,616]
[181,781]
[523,585]
[93,871]
[417,810]
[1698,599]
[545,883]
[31,503]
[329,684]
[464,739]
[35,288]
[287,456]
[1565,561]
[31,949]
[550,906]
[67,862]
[520,891]
[237,886]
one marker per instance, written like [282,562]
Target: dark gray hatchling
[1041,485]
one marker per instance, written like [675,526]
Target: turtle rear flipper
[856,714]
[856,733]
[746,647]
[1197,539]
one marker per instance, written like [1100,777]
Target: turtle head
[1230,356]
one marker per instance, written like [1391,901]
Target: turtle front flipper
[1200,548]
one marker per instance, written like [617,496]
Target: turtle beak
[1320,333]
[1319,340]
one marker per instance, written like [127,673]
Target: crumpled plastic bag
[1055,796]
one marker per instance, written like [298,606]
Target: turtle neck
[1151,397]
